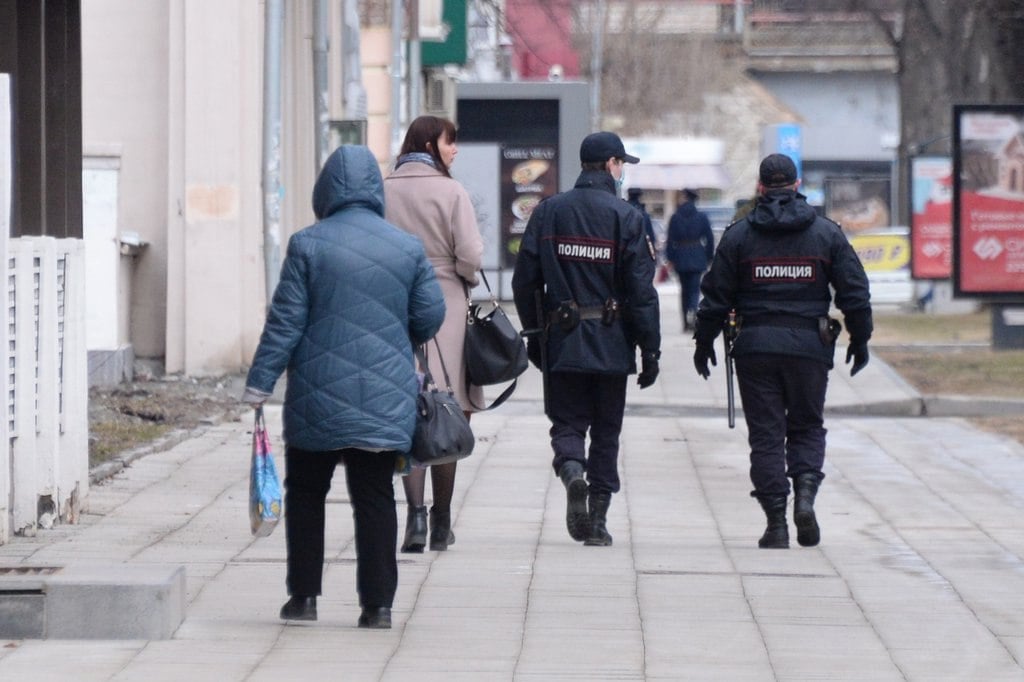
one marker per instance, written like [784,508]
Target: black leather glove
[858,352]
[701,356]
[533,350]
[649,368]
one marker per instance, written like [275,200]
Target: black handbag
[442,433]
[494,351]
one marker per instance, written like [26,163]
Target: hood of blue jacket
[350,177]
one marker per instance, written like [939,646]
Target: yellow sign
[882,252]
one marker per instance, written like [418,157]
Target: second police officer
[777,268]
[584,274]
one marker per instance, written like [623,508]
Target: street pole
[320,109]
[396,77]
[596,64]
[273,41]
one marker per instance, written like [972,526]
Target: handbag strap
[497,401]
[428,378]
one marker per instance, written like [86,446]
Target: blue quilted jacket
[355,294]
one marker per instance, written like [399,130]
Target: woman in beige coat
[422,198]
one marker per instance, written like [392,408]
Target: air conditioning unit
[439,94]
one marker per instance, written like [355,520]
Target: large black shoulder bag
[494,350]
[442,432]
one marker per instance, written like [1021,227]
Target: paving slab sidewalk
[920,574]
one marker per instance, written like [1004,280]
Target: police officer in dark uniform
[774,268]
[584,275]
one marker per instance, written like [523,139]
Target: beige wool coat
[421,200]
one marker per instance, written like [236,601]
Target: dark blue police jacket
[588,246]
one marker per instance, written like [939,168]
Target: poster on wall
[858,204]
[931,217]
[988,200]
[529,173]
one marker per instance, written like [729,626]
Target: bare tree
[947,53]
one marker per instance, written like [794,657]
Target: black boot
[805,487]
[776,535]
[415,530]
[576,519]
[441,534]
[299,608]
[599,535]
[375,618]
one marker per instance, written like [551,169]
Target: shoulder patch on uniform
[650,247]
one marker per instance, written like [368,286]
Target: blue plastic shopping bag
[264,486]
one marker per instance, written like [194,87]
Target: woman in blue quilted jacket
[355,294]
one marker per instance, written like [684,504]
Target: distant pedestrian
[690,247]
[777,268]
[422,198]
[585,258]
[355,294]
[634,194]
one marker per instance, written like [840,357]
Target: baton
[542,333]
[728,337]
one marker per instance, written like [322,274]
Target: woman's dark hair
[429,129]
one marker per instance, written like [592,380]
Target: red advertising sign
[931,218]
[988,200]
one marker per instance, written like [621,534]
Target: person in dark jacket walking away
[585,257]
[355,294]
[634,194]
[690,247]
[777,268]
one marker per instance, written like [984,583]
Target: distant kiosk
[518,144]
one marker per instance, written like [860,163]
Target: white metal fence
[44,452]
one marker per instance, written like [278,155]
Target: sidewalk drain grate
[27,570]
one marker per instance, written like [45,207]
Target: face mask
[618,183]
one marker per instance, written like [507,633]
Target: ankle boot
[776,535]
[375,618]
[299,608]
[599,535]
[441,534]
[415,530]
[577,521]
[805,487]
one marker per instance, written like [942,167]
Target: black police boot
[576,519]
[375,618]
[299,608]
[599,535]
[415,530]
[776,535]
[805,487]
[441,534]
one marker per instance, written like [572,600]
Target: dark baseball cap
[602,146]
[777,170]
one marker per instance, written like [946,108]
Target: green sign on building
[453,49]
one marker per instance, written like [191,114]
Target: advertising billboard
[858,204]
[931,217]
[528,174]
[988,201]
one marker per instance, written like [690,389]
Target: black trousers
[579,403]
[783,404]
[370,480]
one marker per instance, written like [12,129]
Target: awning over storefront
[672,163]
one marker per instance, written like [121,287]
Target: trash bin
[1007,326]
